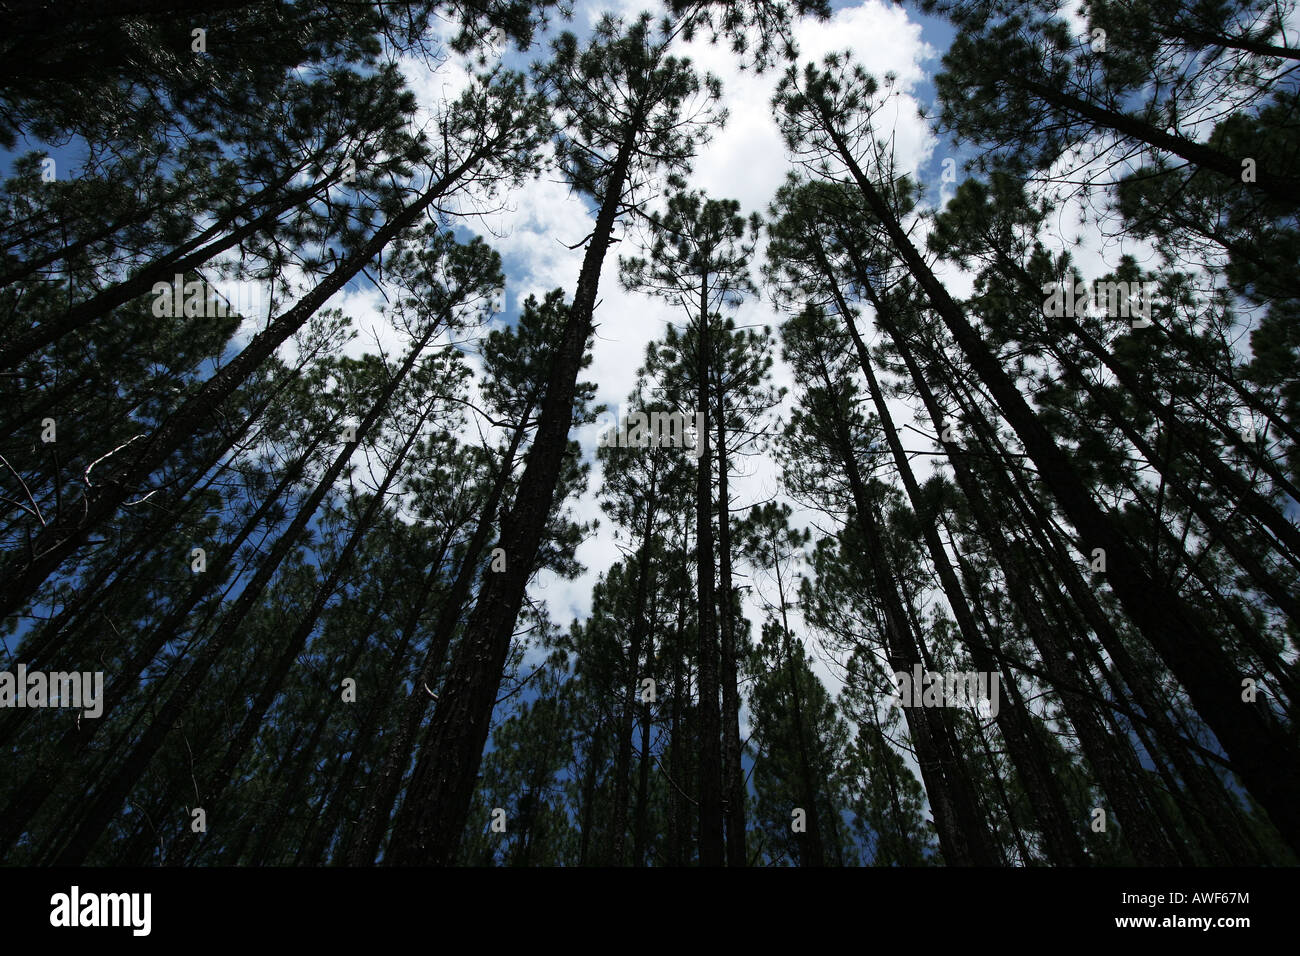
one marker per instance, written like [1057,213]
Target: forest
[548,433]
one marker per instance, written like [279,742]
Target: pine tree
[625,101]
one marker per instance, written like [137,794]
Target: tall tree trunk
[62,537]
[275,826]
[41,783]
[641,825]
[957,819]
[297,642]
[1060,838]
[323,826]
[181,260]
[623,762]
[587,813]
[710,717]
[95,594]
[1282,188]
[368,835]
[428,828]
[734,771]
[811,852]
[108,798]
[679,831]
[1267,761]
